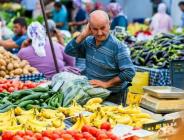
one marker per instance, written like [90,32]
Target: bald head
[99,15]
[99,25]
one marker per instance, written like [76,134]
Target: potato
[2,74]
[23,63]
[2,68]
[25,71]
[10,66]
[16,64]
[18,71]
[2,62]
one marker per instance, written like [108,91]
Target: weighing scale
[163,99]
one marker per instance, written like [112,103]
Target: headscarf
[115,8]
[51,25]
[37,34]
[162,8]
[77,3]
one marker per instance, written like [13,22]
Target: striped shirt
[104,62]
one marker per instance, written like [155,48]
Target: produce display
[12,66]
[159,51]
[35,119]
[134,28]
[87,133]
[14,85]
[41,97]
[77,87]
[130,115]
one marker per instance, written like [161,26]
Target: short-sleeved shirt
[61,16]
[46,64]
[119,21]
[104,62]
[18,40]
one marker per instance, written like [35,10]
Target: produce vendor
[39,55]
[20,29]
[108,64]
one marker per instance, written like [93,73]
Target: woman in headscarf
[38,53]
[161,21]
[117,16]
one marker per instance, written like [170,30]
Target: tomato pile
[13,85]
[87,133]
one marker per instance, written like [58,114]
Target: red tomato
[45,138]
[86,135]
[112,136]
[78,136]
[1,89]
[47,134]
[61,132]
[17,137]
[67,137]
[59,139]
[4,86]
[106,126]
[91,138]
[55,136]
[20,133]
[93,130]
[102,136]
[29,133]
[11,89]
[38,136]
[27,137]
[71,132]
[7,135]
[85,128]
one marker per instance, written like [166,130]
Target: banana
[141,115]
[81,121]
[94,101]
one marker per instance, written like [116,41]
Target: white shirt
[29,4]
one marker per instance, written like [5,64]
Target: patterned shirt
[104,62]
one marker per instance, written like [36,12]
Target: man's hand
[98,83]
[85,33]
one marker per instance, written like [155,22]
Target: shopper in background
[29,6]
[59,15]
[108,64]
[117,16]
[54,32]
[181,5]
[89,6]
[20,29]
[99,6]
[38,52]
[79,17]
[161,21]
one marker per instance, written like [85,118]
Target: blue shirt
[104,62]
[18,40]
[182,20]
[119,21]
[60,16]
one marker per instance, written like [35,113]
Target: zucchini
[5,105]
[41,89]
[7,108]
[25,103]
[33,96]
[20,94]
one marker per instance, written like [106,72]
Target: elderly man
[108,63]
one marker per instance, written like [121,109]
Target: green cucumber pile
[26,99]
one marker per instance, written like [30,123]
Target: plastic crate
[177,73]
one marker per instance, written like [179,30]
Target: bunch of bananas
[34,119]
[130,115]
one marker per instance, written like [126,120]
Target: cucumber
[5,100]
[25,103]
[33,96]
[19,94]
[4,105]
[7,108]
[41,89]
[45,96]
